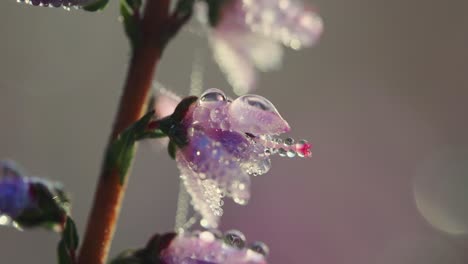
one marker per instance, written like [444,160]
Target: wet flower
[14,190]
[221,143]
[205,248]
[249,34]
[30,201]
[58,3]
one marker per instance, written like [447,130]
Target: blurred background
[382,97]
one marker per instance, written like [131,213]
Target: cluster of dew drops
[213,246]
[66,4]
[273,145]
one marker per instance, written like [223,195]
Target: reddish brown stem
[109,193]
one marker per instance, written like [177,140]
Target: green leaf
[96,6]
[121,152]
[64,256]
[68,243]
[70,235]
[151,134]
[172,149]
[129,10]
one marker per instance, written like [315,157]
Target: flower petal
[288,21]
[165,102]
[256,115]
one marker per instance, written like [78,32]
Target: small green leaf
[70,235]
[151,134]
[129,10]
[121,152]
[64,256]
[172,149]
[68,243]
[96,6]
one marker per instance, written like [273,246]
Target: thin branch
[109,193]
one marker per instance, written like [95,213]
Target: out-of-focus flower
[249,34]
[14,190]
[224,142]
[28,201]
[58,3]
[206,247]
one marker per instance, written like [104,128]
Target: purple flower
[227,142]
[249,34]
[27,202]
[58,3]
[14,190]
[206,248]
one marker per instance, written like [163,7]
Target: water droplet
[291,153]
[260,248]
[225,125]
[234,238]
[206,236]
[212,95]
[289,141]
[282,152]
[303,149]
[240,201]
[258,102]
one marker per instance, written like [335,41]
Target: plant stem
[109,193]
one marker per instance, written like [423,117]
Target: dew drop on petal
[303,149]
[212,95]
[258,102]
[289,141]
[256,115]
[260,248]
[291,153]
[234,238]
[282,152]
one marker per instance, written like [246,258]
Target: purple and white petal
[58,3]
[288,21]
[205,248]
[229,141]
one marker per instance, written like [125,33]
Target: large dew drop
[235,238]
[212,95]
[256,115]
[260,248]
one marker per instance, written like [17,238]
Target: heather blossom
[249,34]
[226,142]
[197,247]
[218,143]
[14,190]
[59,3]
[29,201]
[206,248]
